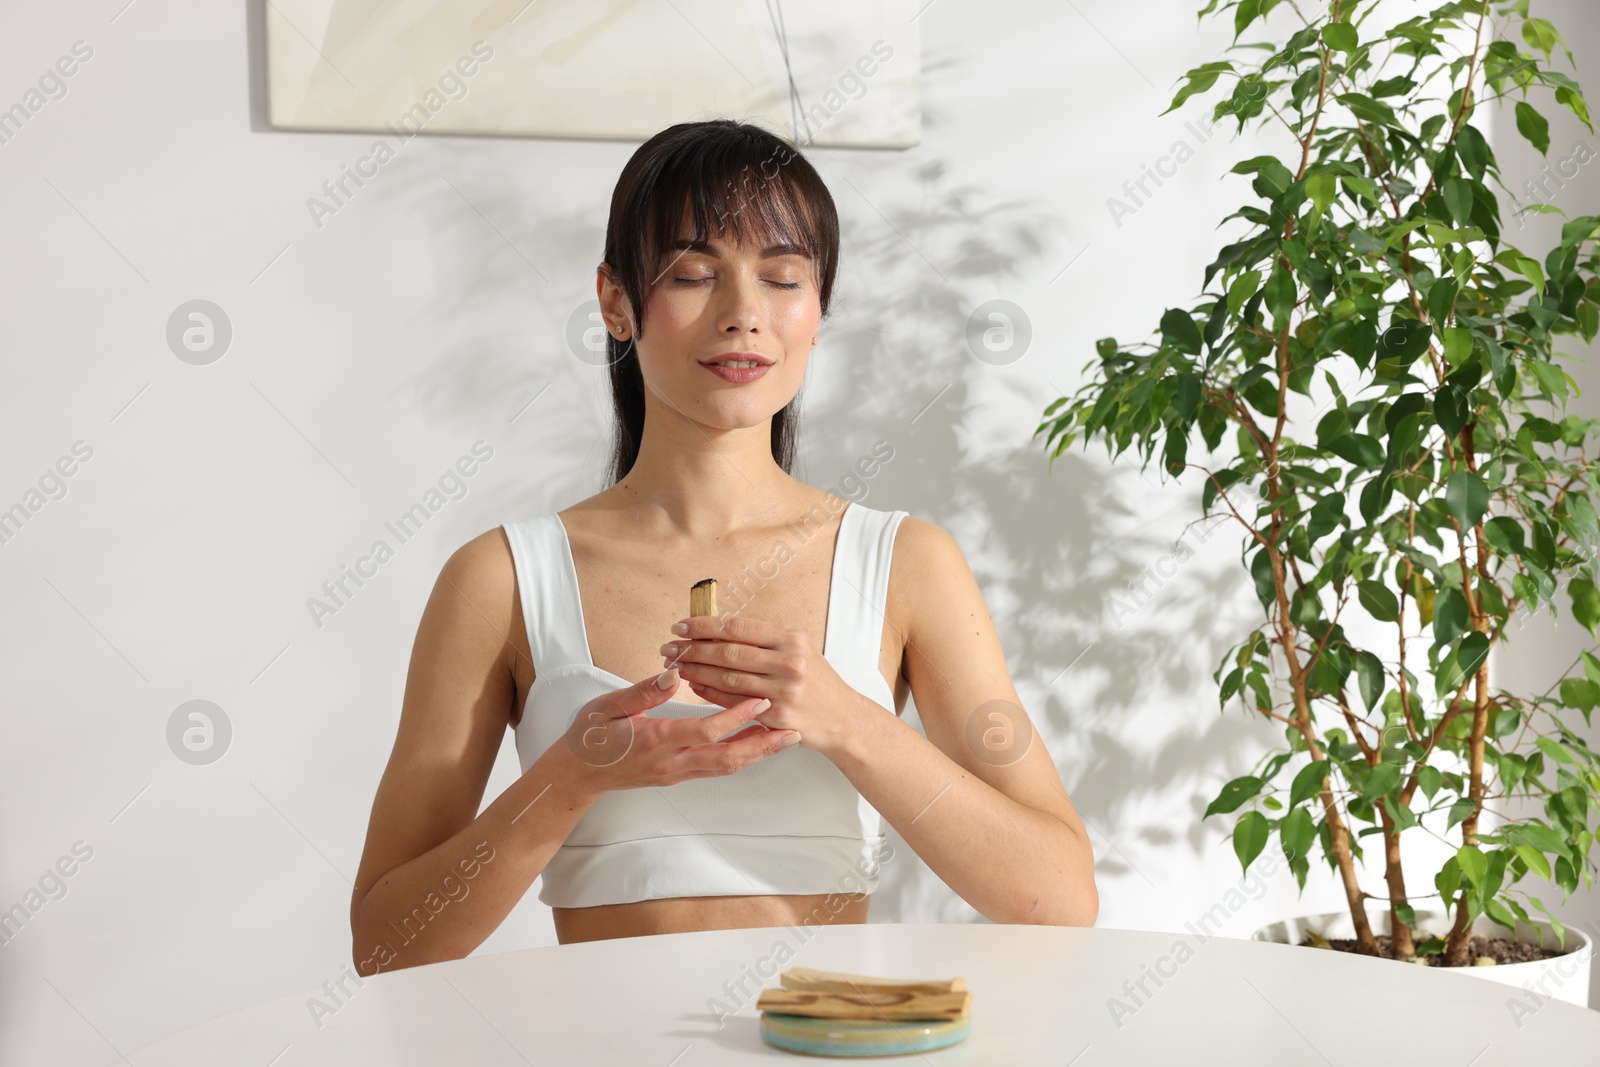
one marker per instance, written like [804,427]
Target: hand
[620,746]
[727,659]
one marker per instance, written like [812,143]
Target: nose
[740,309]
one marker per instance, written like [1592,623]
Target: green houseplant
[1440,489]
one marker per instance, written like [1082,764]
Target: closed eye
[697,281]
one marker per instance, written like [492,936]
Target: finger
[709,729]
[739,628]
[752,730]
[718,653]
[716,696]
[728,700]
[641,695]
[754,749]
[727,680]
[735,754]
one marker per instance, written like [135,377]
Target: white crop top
[791,823]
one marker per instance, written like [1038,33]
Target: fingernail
[667,678]
[680,627]
[791,739]
[763,706]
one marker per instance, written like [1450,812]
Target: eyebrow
[783,248]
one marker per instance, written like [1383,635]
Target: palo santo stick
[867,1005]
[703,597]
[813,981]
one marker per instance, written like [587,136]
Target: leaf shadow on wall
[1049,549]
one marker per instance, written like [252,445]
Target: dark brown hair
[739,182]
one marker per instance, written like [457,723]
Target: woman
[646,812]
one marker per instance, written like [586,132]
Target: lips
[718,365]
[737,375]
[738,357]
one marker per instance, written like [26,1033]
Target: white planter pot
[1563,977]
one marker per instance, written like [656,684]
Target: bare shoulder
[482,574]
[924,550]
[925,541]
[928,577]
[483,569]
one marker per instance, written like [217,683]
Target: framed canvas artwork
[828,72]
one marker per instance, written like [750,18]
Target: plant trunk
[1455,949]
[1401,946]
[1338,835]
[1366,944]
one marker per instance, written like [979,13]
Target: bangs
[741,201]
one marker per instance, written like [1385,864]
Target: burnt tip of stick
[703,597]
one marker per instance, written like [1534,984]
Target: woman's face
[711,301]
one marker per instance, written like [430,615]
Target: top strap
[860,588]
[547,584]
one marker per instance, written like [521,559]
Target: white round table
[1040,995]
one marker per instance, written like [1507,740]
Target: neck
[703,482]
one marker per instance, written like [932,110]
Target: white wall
[369,354]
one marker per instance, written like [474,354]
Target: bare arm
[436,877]
[979,799]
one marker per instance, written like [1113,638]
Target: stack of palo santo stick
[836,995]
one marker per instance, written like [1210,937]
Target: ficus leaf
[1585,603]
[1340,36]
[1535,861]
[1280,295]
[1322,188]
[1261,571]
[1242,289]
[1542,34]
[1591,667]
[1369,672]
[1189,393]
[1473,149]
[1179,330]
[1379,601]
[1457,345]
[1572,99]
[1296,832]
[1473,651]
[1467,497]
[1404,340]
[1383,778]
[1450,409]
[1308,782]
[1450,616]
[1359,449]
[1233,794]
[1533,126]
[1199,80]
[1250,837]
[1457,193]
